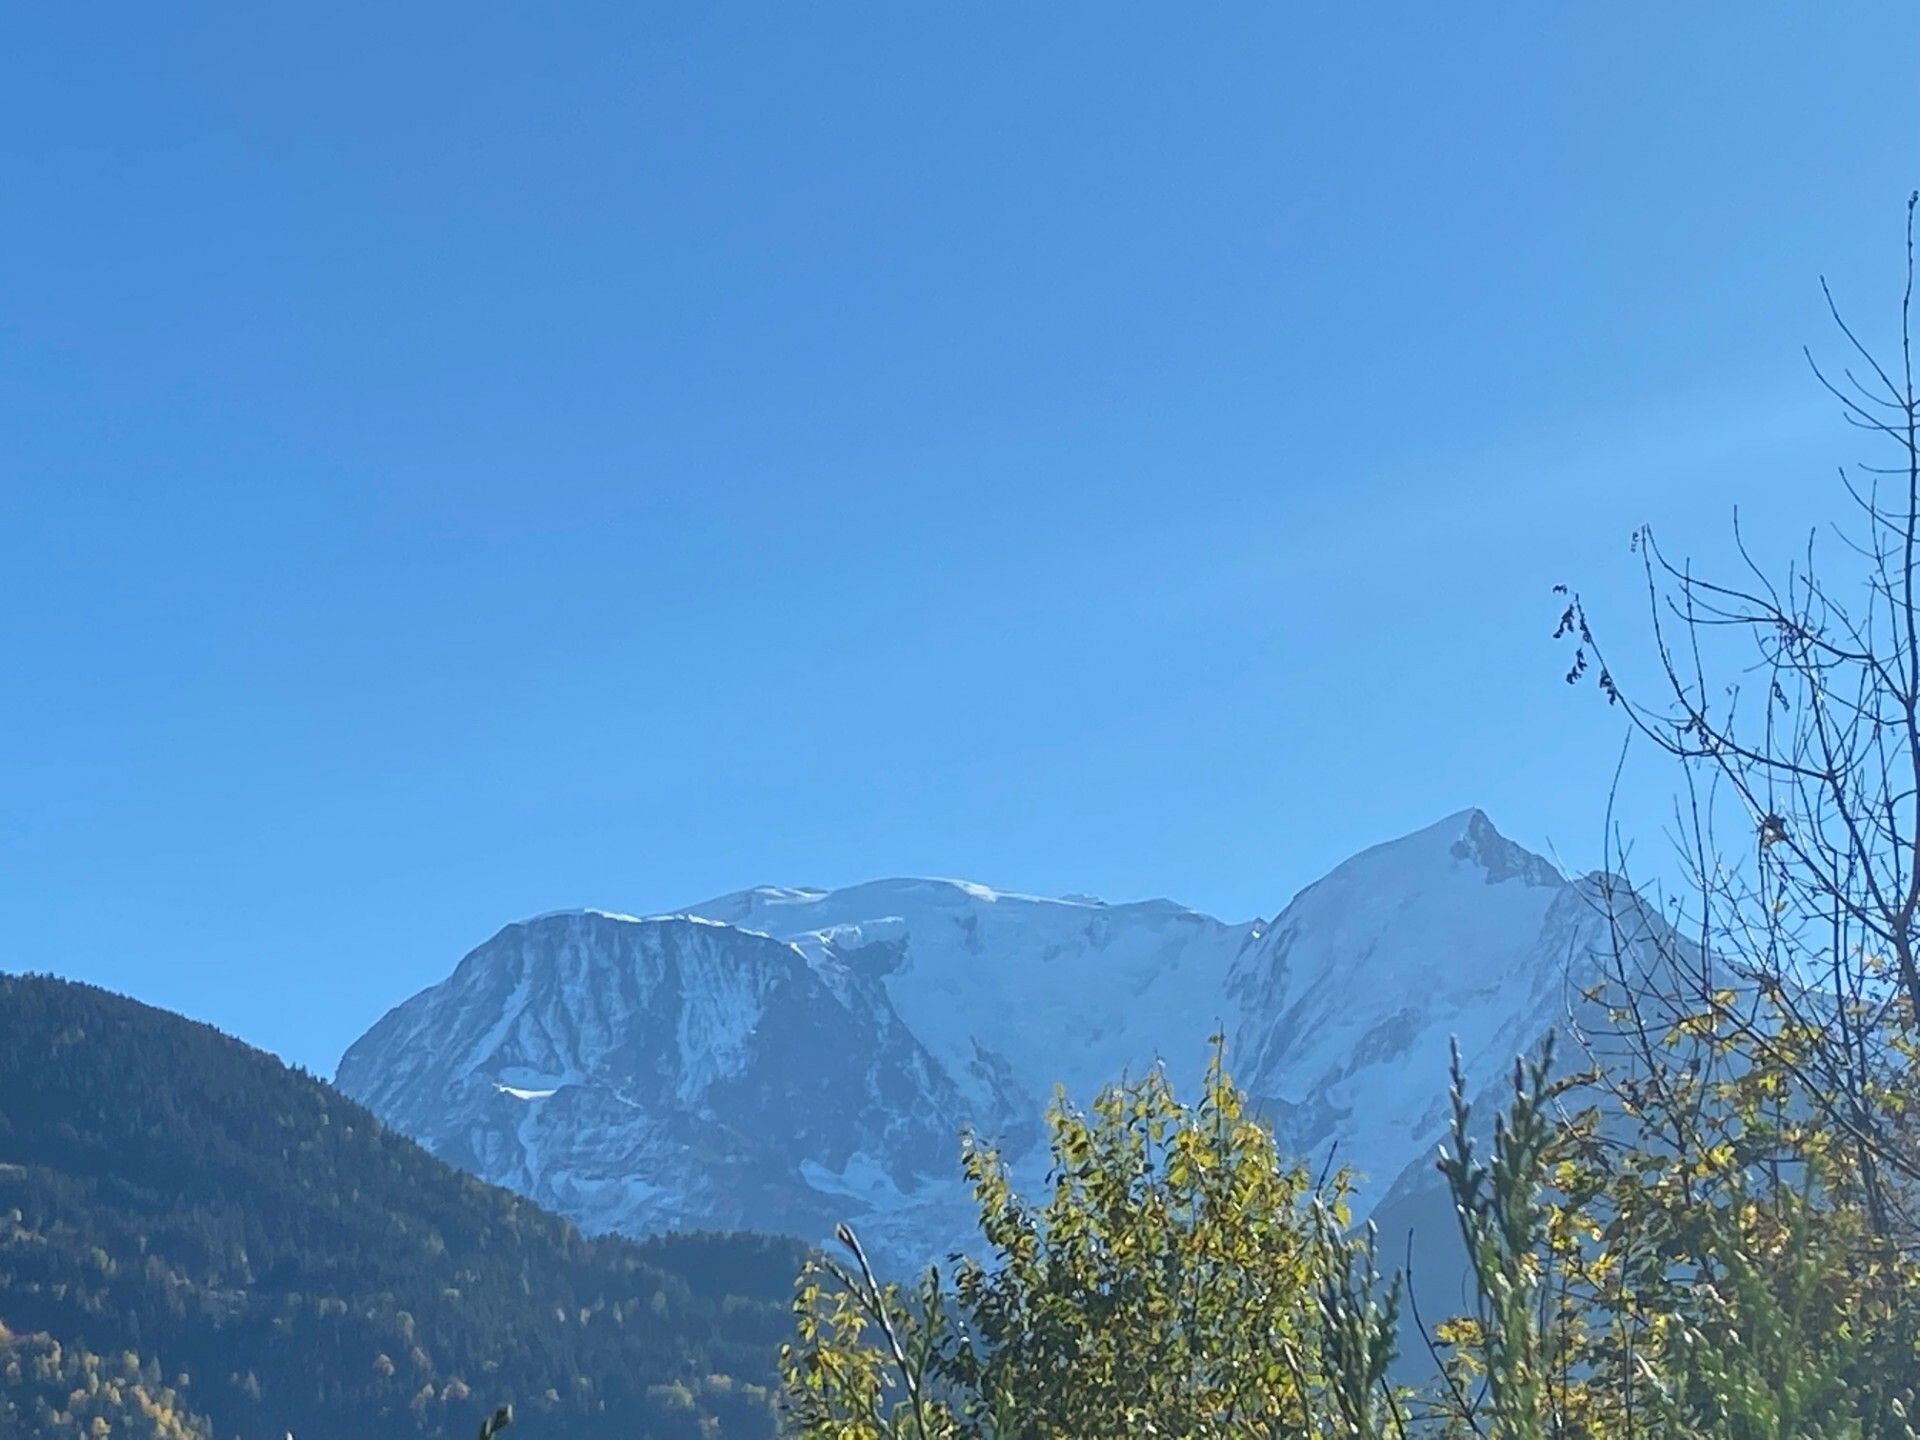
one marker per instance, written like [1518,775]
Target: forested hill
[196,1241]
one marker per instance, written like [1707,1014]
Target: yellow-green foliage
[49,1390]
[1178,1280]
[1698,1269]
[1709,1269]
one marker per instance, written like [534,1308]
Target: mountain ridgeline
[785,1059]
[198,1243]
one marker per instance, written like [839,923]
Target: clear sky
[464,461]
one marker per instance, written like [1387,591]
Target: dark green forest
[197,1241]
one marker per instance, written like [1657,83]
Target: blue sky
[458,462]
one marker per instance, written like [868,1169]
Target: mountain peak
[1464,839]
[1480,844]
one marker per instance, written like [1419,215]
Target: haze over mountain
[783,1059]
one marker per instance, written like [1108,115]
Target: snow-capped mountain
[783,1059]
[642,1075]
[1015,993]
[1350,1006]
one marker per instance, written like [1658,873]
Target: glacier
[786,1059]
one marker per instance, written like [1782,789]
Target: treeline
[196,1239]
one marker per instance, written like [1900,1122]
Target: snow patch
[517,1093]
[862,1178]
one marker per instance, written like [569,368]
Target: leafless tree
[1791,698]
